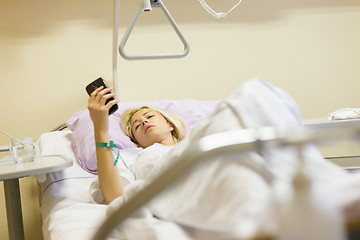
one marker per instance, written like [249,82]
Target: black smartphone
[96,84]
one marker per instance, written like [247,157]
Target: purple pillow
[192,111]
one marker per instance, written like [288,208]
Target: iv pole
[115,44]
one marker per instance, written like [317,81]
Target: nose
[144,121]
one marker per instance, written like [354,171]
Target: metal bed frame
[229,142]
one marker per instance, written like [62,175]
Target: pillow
[192,111]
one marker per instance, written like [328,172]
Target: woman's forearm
[109,177]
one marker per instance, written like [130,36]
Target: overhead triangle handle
[143,5]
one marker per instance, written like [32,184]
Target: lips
[148,127]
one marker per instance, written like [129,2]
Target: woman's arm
[109,177]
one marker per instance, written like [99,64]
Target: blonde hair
[175,121]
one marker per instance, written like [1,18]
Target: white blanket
[229,196]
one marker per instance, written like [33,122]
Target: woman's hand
[99,112]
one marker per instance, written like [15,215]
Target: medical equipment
[146,6]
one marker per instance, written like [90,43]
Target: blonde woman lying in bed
[144,126]
[236,194]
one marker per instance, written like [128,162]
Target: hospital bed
[66,208]
[69,213]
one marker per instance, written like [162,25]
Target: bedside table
[10,172]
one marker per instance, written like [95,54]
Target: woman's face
[149,127]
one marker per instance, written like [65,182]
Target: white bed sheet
[67,211]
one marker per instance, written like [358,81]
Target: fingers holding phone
[102,99]
[99,92]
[103,95]
[101,104]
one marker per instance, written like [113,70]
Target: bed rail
[60,127]
[229,142]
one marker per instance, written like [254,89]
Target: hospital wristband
[111,145]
